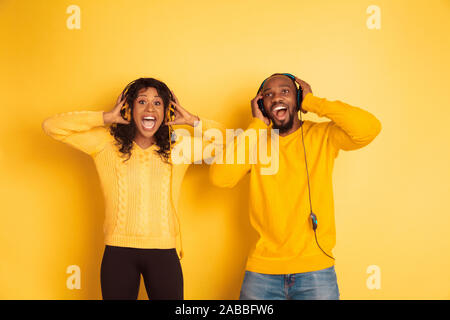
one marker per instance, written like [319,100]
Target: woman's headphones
[125,111]
[170,116]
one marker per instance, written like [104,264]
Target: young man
[292,258]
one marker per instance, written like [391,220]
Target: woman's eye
[141,101]
[157,103]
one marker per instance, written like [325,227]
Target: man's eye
[267,94]
[285,91]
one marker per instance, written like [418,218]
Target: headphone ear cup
[299,98]
[298,101]
[125,112]
[261,107]
[170,116]
[170,112]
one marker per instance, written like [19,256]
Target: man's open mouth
[280,111]
[148,122]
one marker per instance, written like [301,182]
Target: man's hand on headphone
[256,113]
[306,88]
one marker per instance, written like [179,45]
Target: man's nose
[276,98]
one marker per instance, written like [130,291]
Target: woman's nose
[150,107]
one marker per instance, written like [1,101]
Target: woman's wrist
[193,120]
[107,118]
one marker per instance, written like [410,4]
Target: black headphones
[298,89]
[299,103]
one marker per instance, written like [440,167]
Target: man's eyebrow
[283,85]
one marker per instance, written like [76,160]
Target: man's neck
[295,126]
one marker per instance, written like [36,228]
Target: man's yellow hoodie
[279,203]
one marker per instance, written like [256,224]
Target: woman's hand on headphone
[306,88]
[256,112]
[114,115]
[182,116]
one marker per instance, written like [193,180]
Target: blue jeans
[314,285]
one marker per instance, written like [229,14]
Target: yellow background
[391,198]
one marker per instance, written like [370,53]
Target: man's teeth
[279,108]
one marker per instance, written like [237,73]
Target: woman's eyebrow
[146,95]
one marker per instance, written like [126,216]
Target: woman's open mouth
[148,123]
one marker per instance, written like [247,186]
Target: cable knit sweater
[140,194]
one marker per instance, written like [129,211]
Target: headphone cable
[313,216]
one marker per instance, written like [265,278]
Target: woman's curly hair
[125,133]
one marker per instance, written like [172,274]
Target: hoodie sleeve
[351,128]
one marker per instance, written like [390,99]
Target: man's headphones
[298,89]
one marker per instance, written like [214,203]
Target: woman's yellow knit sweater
[140,194]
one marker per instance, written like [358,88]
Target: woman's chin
[146,132]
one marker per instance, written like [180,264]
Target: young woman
[131,147]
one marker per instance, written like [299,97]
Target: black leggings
[121,269]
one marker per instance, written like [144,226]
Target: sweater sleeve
[350,127]
[83,130]
[227,175]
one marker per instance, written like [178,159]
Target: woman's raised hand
[182,116]
[114,115]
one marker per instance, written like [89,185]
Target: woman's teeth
[148,122]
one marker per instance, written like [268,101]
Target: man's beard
[283,127]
